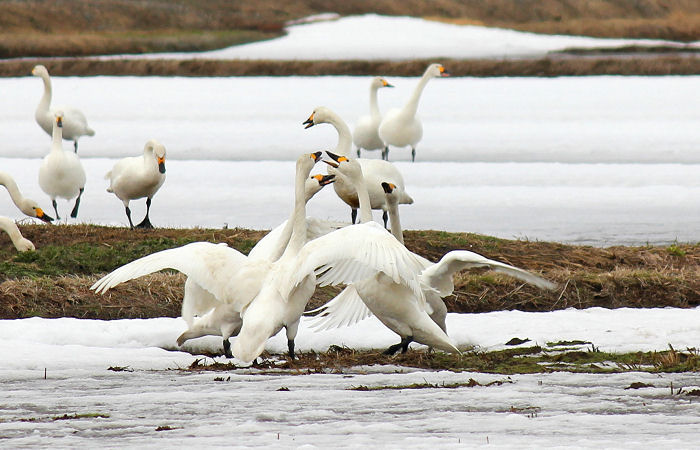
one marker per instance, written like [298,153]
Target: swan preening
[401,127]
[137,177]
[75,123]
[366,135]
[61,174]
[21,243]
[27,206]
[374,171]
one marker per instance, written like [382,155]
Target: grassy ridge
[54,281]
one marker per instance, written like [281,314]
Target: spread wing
[439,275]
[345,309]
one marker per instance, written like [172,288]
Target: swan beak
[316,156]
[43,216]
[337,158]
[161,165]
[59,122]
[386,84]
[323,180]
[443,72]
[309,122]
[388,187]
[331,163]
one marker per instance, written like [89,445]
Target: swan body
[396,311]
[21,243]
[401,127]
[27,206]
[218,276]
[375,171]
[75,123]
[366,136]
[61,173]
[138,177]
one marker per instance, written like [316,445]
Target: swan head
[436,71]
[315,183]
[58,115]
[390,192]
[24,245]
[320,114]
[40,71]
[159,153]
[40,214]
[349,168]
[379,82]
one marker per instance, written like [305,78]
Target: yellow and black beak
[443,72]
[43,216]
[161,165]
[309,122]
[337,158]
[388,187]
[59,122]
[386,84]
[315,156]
[324,179]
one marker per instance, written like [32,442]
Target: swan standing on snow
[21,243]
[401,127]
[27,206]
[61,174]
[375,171]
[365,134]
[75,124]
[138,177]
[399,312]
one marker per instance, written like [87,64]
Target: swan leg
[227,348]
[146,223]
[75,146]
[385,218]
[403,346]
[353,215]
[74,213]
[358,152]
[55,208]
[385,153]
[290,347]
[128,216]
[413,154]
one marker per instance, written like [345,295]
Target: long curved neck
[373,106]
[7,181]
[393,210]
[412,105]
[344,135]
[9,227]
[363,198]
[45,101]
[57,137]
[298,218]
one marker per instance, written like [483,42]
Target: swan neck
[373,105]
[412,104]
[393,211]
[9,227]
[298,218]
[45,101]
[57,137]
[9,183]
[363,198]
[344,135]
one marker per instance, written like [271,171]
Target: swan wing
[439,275]
[272,245]
[209,265]
[345,309]
[355,253]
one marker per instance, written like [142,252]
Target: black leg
[227,349]
[413,154]
[74,213]
[290,346]
[403,346]
[385,153]
[55,208]
[385,217]
[128,216]
[75,146]
[146,223]
[358,152]
[353,215]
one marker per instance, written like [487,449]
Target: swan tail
[89,132]
[405,199]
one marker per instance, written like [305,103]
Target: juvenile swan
[75,123]
[137,177]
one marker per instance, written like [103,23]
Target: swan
[436,279]
[75,124]
[27,206]
[375,171]
[209,311]
[401,127]
[61,174]
[137,177]
[21,243]
[365,134]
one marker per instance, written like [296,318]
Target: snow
[247,410]
[586,160]
[374,37]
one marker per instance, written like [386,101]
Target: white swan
[61,174]
[27,206]
[75,124]
[21,243]
[209,311]
[137,177]
[375,171]
[401,127]
[437,282]
[365,135]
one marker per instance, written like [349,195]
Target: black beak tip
[317,156]
[333,156]
[46,218]
[161,167]
[309,123]
[386,187]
